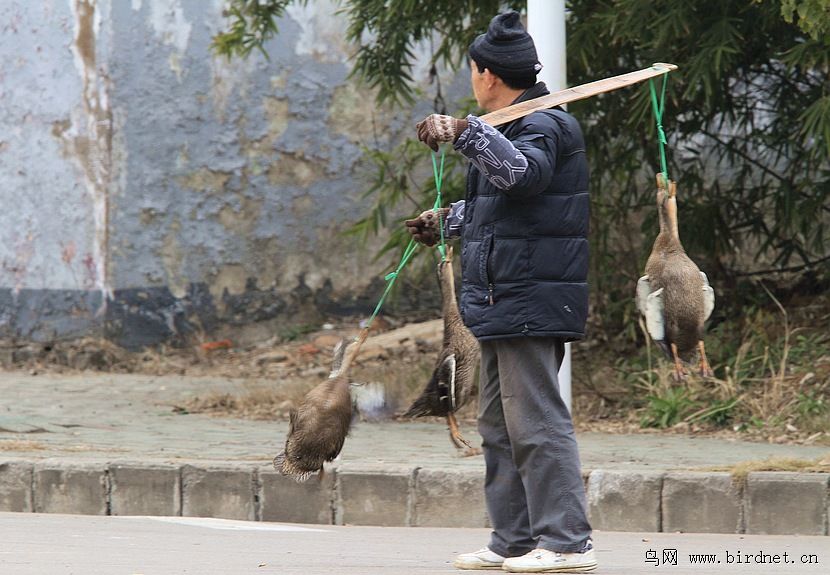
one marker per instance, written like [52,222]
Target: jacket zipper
[490,285]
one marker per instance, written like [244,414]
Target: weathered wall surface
[152,191]
[51,246]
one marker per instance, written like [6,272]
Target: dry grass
[256,401]
[772,384]
[21,445]
[394,381]
[740,471]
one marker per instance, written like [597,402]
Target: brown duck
[674,296]
[319,425]
[453,379]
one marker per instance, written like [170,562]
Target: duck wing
[429,402]
[654,312]
[442,394]
[650,305]
[643,289]
[446,380]
[317,430]
[708,297]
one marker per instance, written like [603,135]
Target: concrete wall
[152,191]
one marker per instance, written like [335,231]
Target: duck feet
[705,369]
[471,452]
[455,433]
[679,370]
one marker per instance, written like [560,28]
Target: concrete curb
[768,503]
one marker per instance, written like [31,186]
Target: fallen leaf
[214,345]
[308,349]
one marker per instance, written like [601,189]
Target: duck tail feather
[426,402]
[285,468]
[419,407]
[279,461]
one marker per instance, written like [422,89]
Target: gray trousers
[533,487]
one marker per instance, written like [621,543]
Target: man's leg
[543,444]
[503,489]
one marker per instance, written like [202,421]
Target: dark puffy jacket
[525,249]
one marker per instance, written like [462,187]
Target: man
[524,226]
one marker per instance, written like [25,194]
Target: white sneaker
[544,561]
[481,559]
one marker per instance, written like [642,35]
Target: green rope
[391,277]
[658,115]
[438,173]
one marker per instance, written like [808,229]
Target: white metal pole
[546,24]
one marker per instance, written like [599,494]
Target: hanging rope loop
[438,174]
[658,116]
[391,277]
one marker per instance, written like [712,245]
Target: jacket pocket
[486,266]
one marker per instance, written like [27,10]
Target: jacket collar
[535,91]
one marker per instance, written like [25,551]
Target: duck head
[667,206]
[344,354]
[662,195]
[671,208]
[445,266]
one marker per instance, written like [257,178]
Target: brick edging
[708,502]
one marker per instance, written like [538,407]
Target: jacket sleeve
[522,167]
[454,219]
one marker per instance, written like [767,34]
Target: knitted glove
[436,129]
[424,228]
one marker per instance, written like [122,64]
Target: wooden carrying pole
[521,109]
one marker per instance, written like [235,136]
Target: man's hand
[436,129]
[425,229]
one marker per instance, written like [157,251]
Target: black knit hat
[506,49]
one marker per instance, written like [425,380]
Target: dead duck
[318,427]
[674,296]
[453,380]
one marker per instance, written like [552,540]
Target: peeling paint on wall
[169,23]
[321,31]
[193,194]
[294,170]
[353,113]
[276,113]
[204,180]
[231,279]
[173,256]
[43,195]
[229,78]
[24,249]
[89,138]
[242,220]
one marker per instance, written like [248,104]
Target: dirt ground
[394,365]
[280,372]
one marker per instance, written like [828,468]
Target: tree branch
[803,267]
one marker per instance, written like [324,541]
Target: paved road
[32,544]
